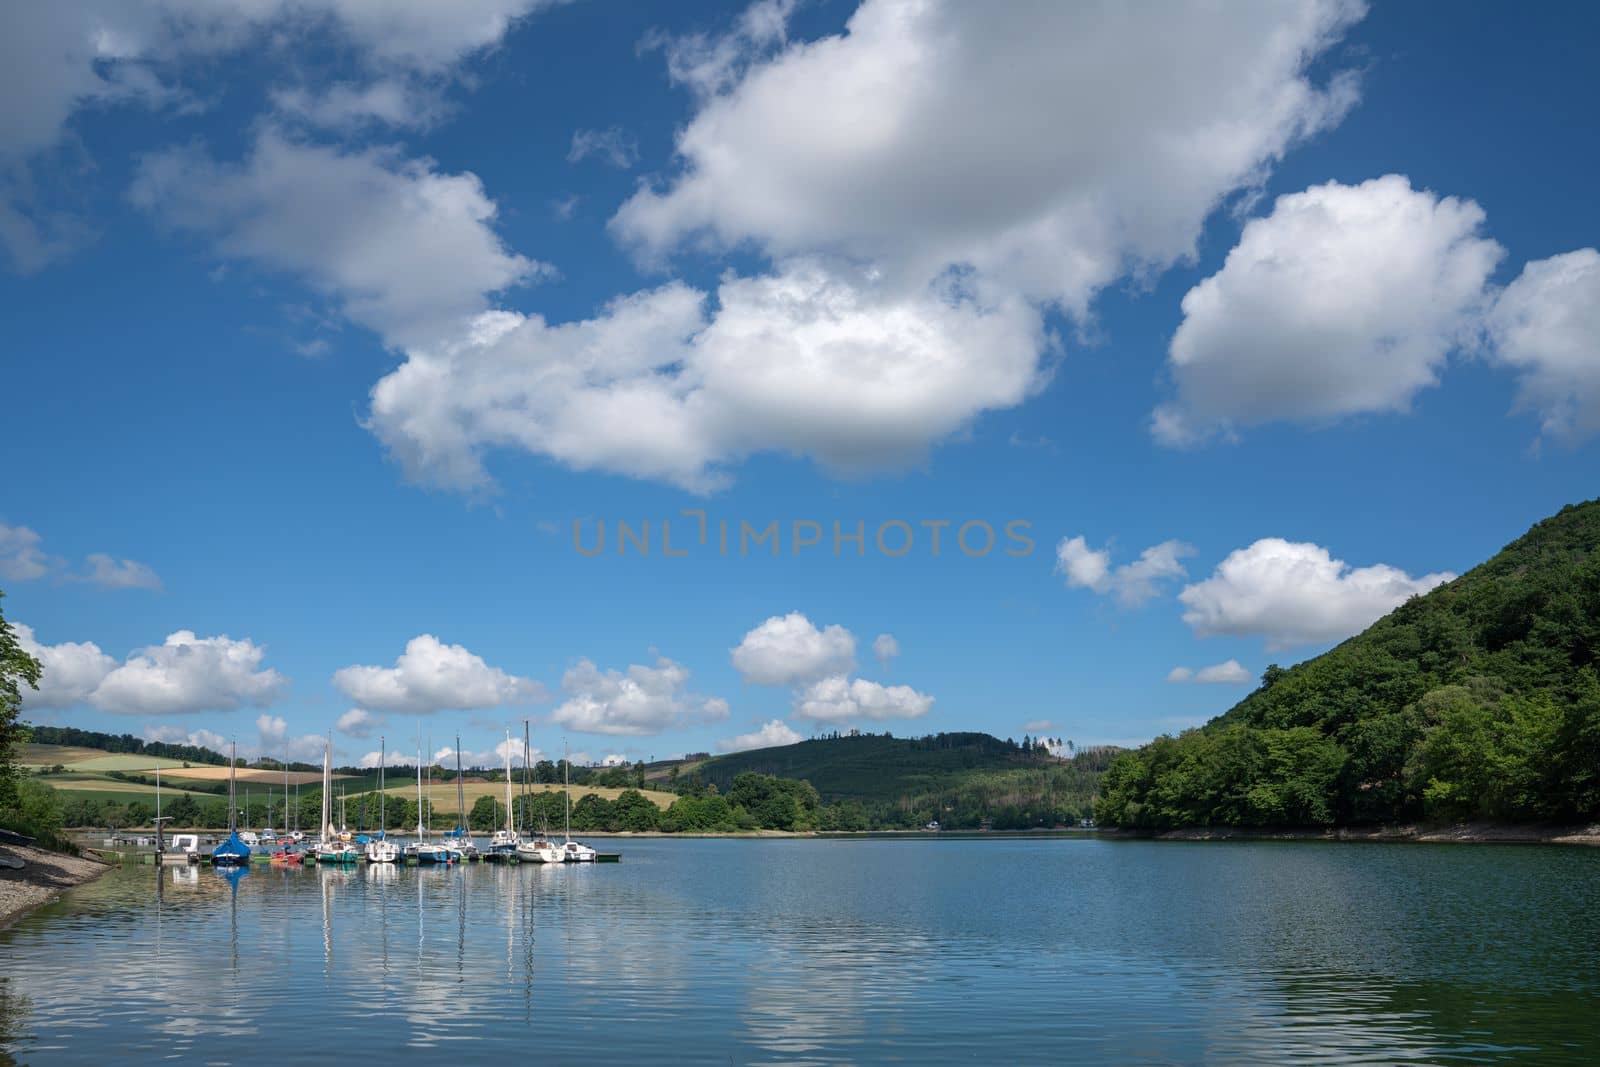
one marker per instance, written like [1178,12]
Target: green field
[443,794]
[91,759]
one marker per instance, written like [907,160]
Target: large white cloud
[1295,593]
[807,361]
[187,673]
[1344,300]
[1546,324]
[932,134]
[772,734]
[71,670]
[788,649]
[431,676]
[1133,583]
[839,699]
[642,700]
[403,248]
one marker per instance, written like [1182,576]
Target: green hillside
[1478,700]
[961,779]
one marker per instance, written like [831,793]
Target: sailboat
[233,852]
[331,849]
[422,850]
[540,849]
[572,851]
[464,846]
[381,849]
[503,845]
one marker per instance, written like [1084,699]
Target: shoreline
[1476,833]
[46,876]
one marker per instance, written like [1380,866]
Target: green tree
[17,669]
[485,814]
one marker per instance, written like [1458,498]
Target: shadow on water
[929,951]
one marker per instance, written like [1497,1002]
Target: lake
[920,950]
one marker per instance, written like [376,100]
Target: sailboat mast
[508,781]
[420,835]
[383,798]
[461,794]
[233,806]
[327,788]
[529,822]
[566,791]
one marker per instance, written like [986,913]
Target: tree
[485,814]
[16,669]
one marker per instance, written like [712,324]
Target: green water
[924,950]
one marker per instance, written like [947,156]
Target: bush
[36,811]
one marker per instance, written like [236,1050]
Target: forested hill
[1479,700]
[961,779]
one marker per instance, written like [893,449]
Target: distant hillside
[962,779]
[1480,699]
[71,737]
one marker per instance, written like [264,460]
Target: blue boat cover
[233,849]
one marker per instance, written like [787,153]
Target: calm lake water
[921,951]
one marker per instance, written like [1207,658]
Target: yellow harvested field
[50,755]
[247,774]
[443,794]
[103,785]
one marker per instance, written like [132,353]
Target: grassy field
[443,794]
[246,774]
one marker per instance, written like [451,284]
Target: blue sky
[781,262]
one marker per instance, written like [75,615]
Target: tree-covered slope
[961,779]
[1480,700]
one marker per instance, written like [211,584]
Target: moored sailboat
[233,852]
[422,850]
[503,844]
[381,849]
[331,849]
[540,849]
[572,851]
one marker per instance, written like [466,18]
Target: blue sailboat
[233,852]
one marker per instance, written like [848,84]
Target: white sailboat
[461,840]
[572,851]
[422,850]
[382,850]
[503,844]
[331,849]
[540,849]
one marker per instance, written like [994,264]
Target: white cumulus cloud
[979,135]
[1296,593]
[1345,300]
[641,700]
[1132,583]
[404,249]
[1230,672]
[431,676]
[1546,324]
[774,733]
[72,670]
[21,557]
[358,722]
[187,673]
[840,700]
[788,649]
[807,360]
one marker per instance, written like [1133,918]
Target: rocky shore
[42,880]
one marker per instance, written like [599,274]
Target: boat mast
[286,793]
[566,790]
[508,781]
[461,796]
[233,809]
[420,835]
[327,788]
[525,819]
[383,798]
